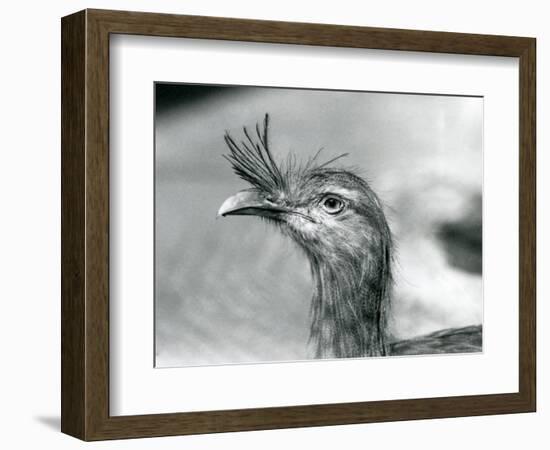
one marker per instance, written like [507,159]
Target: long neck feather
[350,304]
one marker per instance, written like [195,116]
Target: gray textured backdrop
[233,290]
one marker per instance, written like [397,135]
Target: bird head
[336,218]
[331,213]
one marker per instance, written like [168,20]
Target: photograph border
[85,224]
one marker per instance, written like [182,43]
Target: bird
[334,216]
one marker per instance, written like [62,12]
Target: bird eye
[332,205]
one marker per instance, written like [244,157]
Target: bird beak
[250,203]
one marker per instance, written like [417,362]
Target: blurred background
[234,290]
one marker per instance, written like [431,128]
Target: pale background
[236,290]
[30,229]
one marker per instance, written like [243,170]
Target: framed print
[271,224]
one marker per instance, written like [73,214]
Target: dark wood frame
[85,224]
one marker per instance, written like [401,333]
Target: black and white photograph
[300,224]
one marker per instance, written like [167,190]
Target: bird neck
[350,305]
